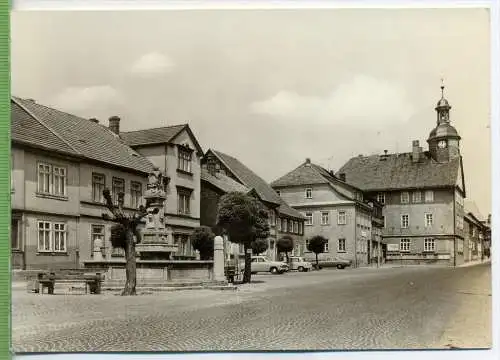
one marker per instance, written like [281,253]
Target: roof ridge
[19,101]
[155,128]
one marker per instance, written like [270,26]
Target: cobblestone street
[331,309]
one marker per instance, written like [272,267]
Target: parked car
[331,262]
[298,263]
[262,264]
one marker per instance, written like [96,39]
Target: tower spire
[442,88]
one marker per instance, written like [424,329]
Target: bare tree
[124,236]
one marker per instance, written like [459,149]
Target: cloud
[92,98]
[361,100]
[152,64]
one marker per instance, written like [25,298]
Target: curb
[167,289]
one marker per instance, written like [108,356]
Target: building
[334,209]
[423,195]
[223,173]
[61,163]
[473,233]
[177,153]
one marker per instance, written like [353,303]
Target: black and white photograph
[218,180]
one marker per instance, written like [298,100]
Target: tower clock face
[442,144]
[444,116]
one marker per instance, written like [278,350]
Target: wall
[30,199]
[295,195]
[441,208]
[37,260]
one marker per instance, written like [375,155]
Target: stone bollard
[219,259]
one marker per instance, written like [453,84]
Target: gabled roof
[304,174]
[161,135]
[254,183]
[26,130]
[248,178]
[74,135]
[398,171]
[223,182]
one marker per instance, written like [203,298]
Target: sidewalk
[475,262]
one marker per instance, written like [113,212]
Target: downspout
[355,237]
[454,229]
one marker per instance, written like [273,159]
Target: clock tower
[444,141]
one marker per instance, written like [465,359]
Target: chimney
[416,151]
[342,176]
[114,124]
[94,120]
[308,161]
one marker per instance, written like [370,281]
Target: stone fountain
[156,239]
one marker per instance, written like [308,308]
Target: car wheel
[301,268]
[273,270]
[340,266]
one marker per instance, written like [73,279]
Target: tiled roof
[305,174]
[398,171]
[152,136]
[86,138]
[471,207]
[223,182]
[249,178]
[27,130]
[285,209]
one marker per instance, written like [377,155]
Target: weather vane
[442,87]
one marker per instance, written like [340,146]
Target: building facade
[60,165]
[335,210]
[423,195]
[223,173]
[177,153]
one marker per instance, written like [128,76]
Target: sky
[270,87]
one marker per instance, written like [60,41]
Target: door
[17,254]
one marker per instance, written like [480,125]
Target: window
[184,245]
[429,196]
[51,237]
[309,218]
[118,186]
[405,197]
[381,198]
[404,245]
[285,225]
[183,201]
[272,219]
[96,233]
[341,218]
[325,218]
[279,224]
[52,179]
[15,243]
[98,185]
[295,227]
[341,245]
[184,160]
[428,220]
[417,196]
[59,237]
[429,244]
[136,194]
[301,228]
[290,226]
[307,245]
[326,247]
[405,221]
[309,193]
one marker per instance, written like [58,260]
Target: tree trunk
[247,275]
[317,262]
[130,265]
[287,258]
